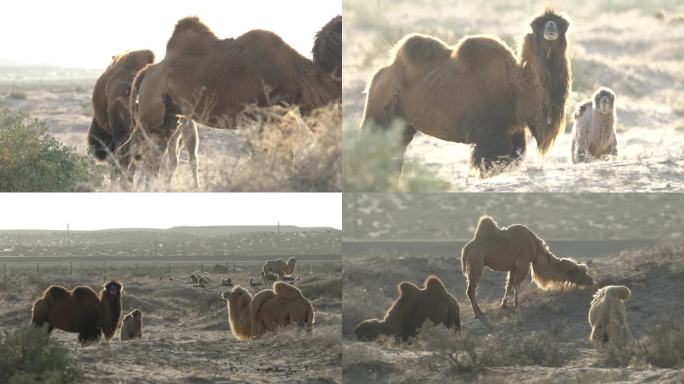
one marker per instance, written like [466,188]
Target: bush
[288,151]
[371,164]
[27,356]
[663,346]
[33,161]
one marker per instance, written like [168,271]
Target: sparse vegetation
[33,161]
[14,95]
[287,152]
[27,356]
[663,345]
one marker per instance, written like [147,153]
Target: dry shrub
[288,151]
[663,345]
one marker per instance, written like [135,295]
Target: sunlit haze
[86,34]
[158,210]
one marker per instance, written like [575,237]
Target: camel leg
[509,287]
[191,140]
[474,275]
[520,274]
[90,335]
[173,153]
[498,143]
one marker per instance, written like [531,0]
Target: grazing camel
[413,307]
[514,249]
[210,81]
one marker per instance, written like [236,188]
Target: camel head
[136,313]
[237,298]
[327,50]
[604,101]
[549,31]
[112,291]
[576,273]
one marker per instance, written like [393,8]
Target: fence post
[71,268]
[38,270]
[202,267]
[4,272]
[169,271]
[104,270]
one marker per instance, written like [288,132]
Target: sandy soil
[186,336]
[551,322]
[622,46]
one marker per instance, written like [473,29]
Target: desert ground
[633,47]
[186,334]
[544,340]
[279,150]
[625,239]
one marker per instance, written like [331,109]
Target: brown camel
[514,249]
[209,80]
[477,92]
[413,307]
[80,310]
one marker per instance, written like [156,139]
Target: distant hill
[5,62]
[11,71]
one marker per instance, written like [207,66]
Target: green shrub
[33,161]
[371,163]
[27,356]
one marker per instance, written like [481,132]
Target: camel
[110,128]
[251,317]
[131,326]
[477,92]
[514,249]
[80,310]
[413,307]
[210,81]
[278,269]
[593,134]
[609,329]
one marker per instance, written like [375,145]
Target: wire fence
[162,269]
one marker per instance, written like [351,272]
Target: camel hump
[420,49]
[287,291]
[407,289]
[486,225]
[433,284]
[188,33]
[478,52]
[617,291]
[581,108]
[56,291]
[135,59]
[83,292]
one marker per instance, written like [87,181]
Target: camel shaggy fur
[413,307]
[80,310]
[110,128]
[477,92]
[210,81]
[111,123]
[283,305]
[514,250]
[593,134]
[131,326]
[609,330]
[278,268]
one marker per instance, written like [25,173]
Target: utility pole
[68,241]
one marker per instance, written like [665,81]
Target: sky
[86,33]
[165,210]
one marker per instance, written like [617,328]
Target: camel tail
[39,313]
